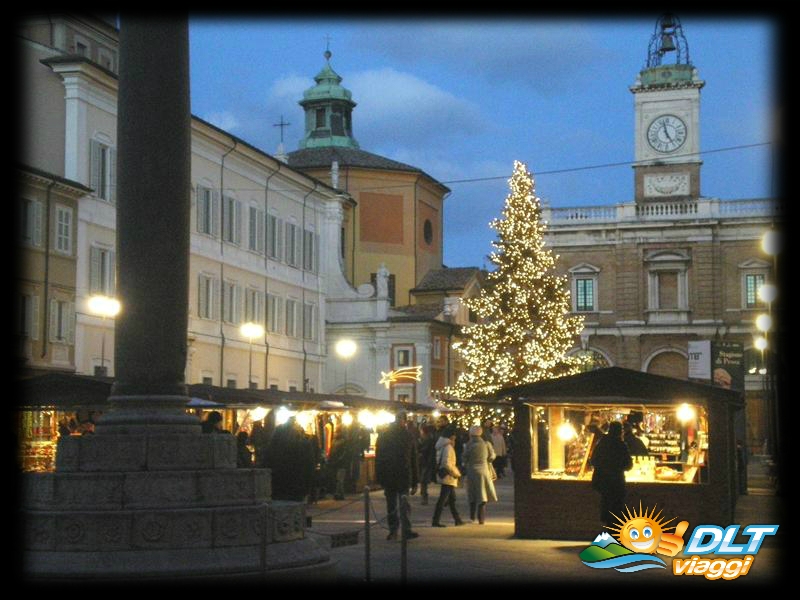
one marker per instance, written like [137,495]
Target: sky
[462,99]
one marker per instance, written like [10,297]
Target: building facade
[391,246]
[257,229]
[674,266]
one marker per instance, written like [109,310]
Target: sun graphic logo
[640,535]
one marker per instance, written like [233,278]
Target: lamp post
[251,330]
[345,349]
[104,307]
[771,245]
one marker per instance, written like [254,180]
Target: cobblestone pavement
[489,554]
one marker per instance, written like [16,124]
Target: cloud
[549,56]
[397,109]
[224,120]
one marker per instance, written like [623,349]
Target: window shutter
[237,222]
[69,317]
[112,176]
[95,276]
[288,240]
[95,167]
[202,298]
[36,219]
[260,232]
[33,329]
[214,213]
[316,253]
[237,304]
[112,273]
[279,244]
[53,333]
[201,211]
[215,299]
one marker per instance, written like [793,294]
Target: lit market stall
[689,470]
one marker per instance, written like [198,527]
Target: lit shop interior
[675,438]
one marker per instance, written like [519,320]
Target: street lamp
[345,349]
[251,330]
[105,307]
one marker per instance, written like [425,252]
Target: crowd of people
[411,457]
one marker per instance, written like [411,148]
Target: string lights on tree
[524,327]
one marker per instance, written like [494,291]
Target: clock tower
[667,110]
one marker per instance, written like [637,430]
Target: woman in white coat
[478,455]
[448,475]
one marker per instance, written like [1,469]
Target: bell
[667,45]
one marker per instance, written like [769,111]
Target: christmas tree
[524,328]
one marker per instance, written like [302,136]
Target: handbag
[441,472]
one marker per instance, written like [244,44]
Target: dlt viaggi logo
[641,535]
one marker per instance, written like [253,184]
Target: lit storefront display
[676,439]
[688,468]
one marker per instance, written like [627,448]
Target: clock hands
[666,131]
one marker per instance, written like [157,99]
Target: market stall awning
[69,391]
[620,385]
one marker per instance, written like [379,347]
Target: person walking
[500,451]
[396,472]
[478,455]
[427,460]
[610,459]
[448,475]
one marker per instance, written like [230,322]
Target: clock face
[666,133]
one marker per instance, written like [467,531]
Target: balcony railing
[704,208]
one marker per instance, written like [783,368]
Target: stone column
[148,496]
[153,214]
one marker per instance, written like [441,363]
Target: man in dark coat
[396,471]
[292,459]
[610,459]
[635,445]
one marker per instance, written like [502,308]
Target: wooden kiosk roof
[621,386]
[68,391]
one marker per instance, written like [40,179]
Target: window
[232,220]
[437,348]
[102,272]
[292,245]
[342,242]
[31,226]
[584,287]
[253,302]
[63,241]
[309,314]
[207,297]
[753,281]
[594,360]
[754,362]
[402,357]
[427,231]
[105,58]
[373,278]
[310,249]
[584,297]
[273,313]
[102,167]
[320,118]
[231,383]
[207,211]
[28,317]
[667,280]
[291,317]
[231,302]
[255,230]
[274,237]
[208,381]
[403,392]
[62,321]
